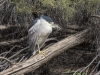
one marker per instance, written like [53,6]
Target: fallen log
[36,61]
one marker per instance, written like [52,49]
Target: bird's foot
[42,52]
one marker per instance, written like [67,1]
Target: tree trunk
[36,61]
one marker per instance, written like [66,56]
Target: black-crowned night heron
[39,31]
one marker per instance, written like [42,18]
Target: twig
[6,43]
[98,73]
[51,39]
[97,16]
[18,52]
[3,27]
[75,27]
[7,60]
[76,62]
[71,31]
[95,68]
[1,3]
[90,63]
[5,53]
[77,70]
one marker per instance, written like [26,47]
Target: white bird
[39,31]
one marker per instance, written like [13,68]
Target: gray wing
[33,35]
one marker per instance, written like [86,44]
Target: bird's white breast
[45,31]
[45,27]
[44,34]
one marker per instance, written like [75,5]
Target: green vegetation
[89,5]
[23,6]
[69,7]
[81,74]
[68,71]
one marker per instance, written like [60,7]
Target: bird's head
[51,22]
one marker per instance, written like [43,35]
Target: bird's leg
[41,52]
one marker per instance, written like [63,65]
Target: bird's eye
[50,22]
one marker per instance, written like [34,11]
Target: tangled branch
[7,60]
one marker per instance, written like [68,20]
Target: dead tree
[36,61]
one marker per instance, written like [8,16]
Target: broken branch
[6,60]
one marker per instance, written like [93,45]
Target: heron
[38,32]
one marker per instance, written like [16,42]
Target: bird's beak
[56,27]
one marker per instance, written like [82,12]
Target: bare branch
[98,73]
[2,2]
[75,27]
[90,63]
[4,27]
[5,43]
[97,16]
[6,60]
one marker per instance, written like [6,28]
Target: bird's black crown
[47,18]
